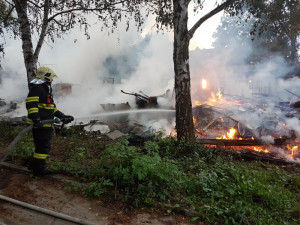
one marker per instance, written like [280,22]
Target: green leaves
[141,172]
[220,189]
[97,188]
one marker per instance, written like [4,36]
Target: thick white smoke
[143,62]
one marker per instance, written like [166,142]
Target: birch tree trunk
[184,116]
[29,59]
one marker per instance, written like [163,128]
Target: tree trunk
[27,46]
[294,56]
[184,116]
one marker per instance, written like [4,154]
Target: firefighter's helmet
[45,73]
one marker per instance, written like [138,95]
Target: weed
[212,182]
[143,176]
[97,188]
[73,186]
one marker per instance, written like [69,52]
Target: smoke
[294,124]
[133,64]
[98,70]
[267,139]
[231,68]
[143,62]
[288,157]
[243,70]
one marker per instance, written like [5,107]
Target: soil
[50,194]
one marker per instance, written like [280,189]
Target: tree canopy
[277,21]
[7,23]
[49,20]
[53,19]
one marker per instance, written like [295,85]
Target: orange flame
[259,149]
[215,98]
[197,102]
[229,135]
[292,149]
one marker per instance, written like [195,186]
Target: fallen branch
[227,142]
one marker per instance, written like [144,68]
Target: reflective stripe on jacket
[40,104]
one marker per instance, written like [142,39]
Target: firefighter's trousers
[42,141]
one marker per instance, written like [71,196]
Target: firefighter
[40,106]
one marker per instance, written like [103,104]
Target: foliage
[48,20]
[277,22]
[8,23]
[228,192]
[221,189]
[23,150]
[97,188]
[138,172]
[8,131]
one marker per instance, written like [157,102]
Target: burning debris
[224,122]
[144,101]
[7,107]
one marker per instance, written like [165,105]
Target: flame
[197,102]
[215,98]
[229,135]
[204,84]
[259,149]
[292,149]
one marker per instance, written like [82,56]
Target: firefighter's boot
[39,167]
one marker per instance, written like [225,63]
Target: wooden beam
[227,142]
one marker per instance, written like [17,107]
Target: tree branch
[44,29]
[9,3]
[82,8]
[208,15]
[35,5]
[8,15]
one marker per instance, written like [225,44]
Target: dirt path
[50,194]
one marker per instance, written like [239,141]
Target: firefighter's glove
[37,123]
[67,119]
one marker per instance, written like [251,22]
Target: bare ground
[50,194]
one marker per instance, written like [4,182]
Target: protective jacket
[40,105]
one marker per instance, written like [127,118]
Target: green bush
[141,175]
[23,150]
[220,188]
[97,188]
[8,131]
[236,193]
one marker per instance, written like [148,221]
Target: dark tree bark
[27,46]
[294,54]
[184,118]
[184,115]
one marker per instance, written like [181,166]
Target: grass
[218,187]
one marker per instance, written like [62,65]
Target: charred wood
[253,156]
[225,142]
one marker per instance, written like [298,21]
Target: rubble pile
[7,107]
[249,126]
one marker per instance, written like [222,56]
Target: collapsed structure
[249,125]
[223,121]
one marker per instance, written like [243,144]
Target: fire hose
[56,120]
[22,134]
[46,211]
